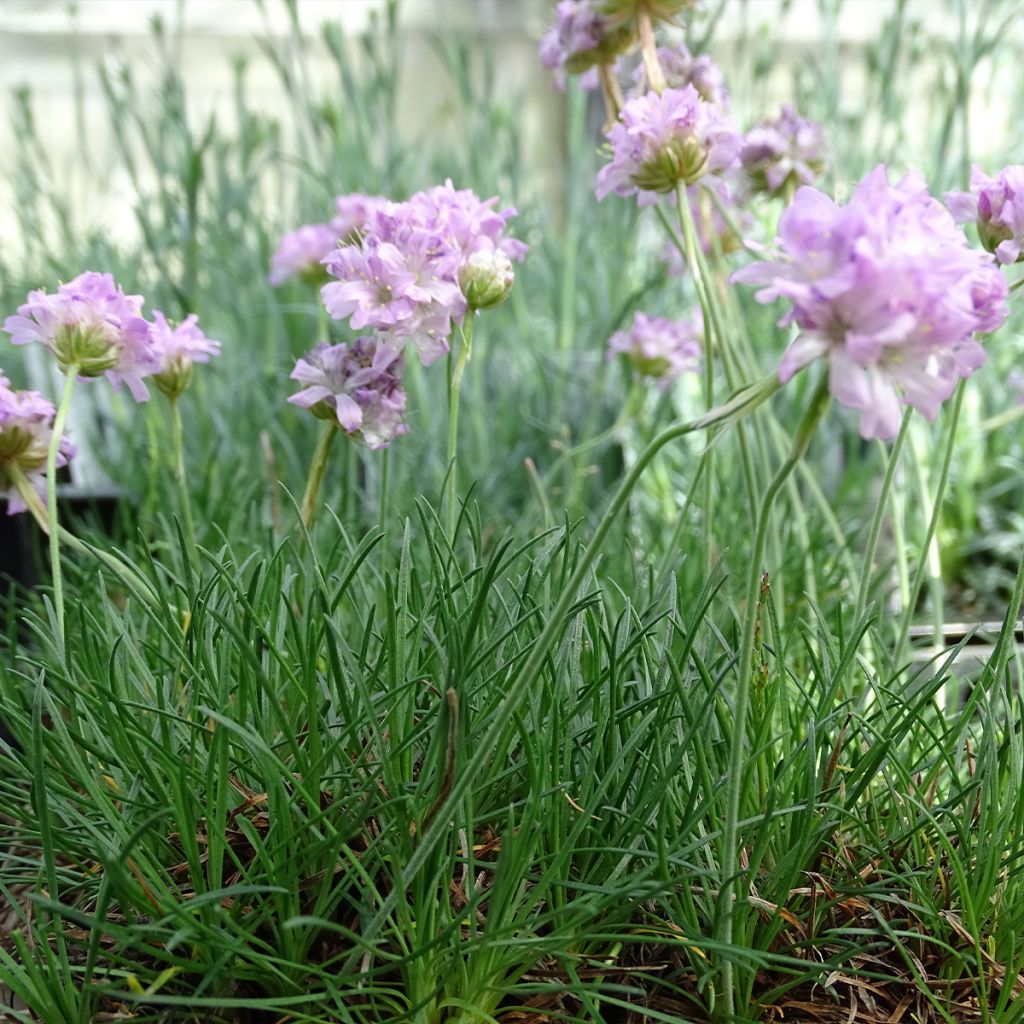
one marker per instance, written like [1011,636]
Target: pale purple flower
[886,289]
[681,69]
[997,206]
[176,349]
[581,38]
[660,348]
[26,431]
[91,325]
[662,140]
[783,153]
[300,254]
[352,213]
[359,385]
[402,277]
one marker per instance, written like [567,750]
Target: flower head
[300,254]
[91,326]
[359,385]
[26,430]
[681,69]
[997,206]
[581,38]
[176,349]
[352,213]
[783,153]
[662,140]
[887,290]
[660,348]
[403,277]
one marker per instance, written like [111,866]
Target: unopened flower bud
[486,278]
[996,205]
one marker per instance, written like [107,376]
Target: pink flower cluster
[996,205]
[26,431]
[403,277]
[661,348]
[887,290]
[93,328]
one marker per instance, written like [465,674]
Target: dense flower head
[662,140]
[997,206]
[661,348]
[681,69]
[352,212]
[300,254]
[886,289]
[783,153]
[26,431]
[359,385]
[403,277]
[176,349]
[581,38]
[92,326]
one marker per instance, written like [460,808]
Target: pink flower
[887,290]
[997,206]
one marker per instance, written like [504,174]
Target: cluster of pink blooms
[26,431]
[407,273]
[93,329]
[996,206]
[660,348]
[359,385]
[681,69]
[417,268]
[783,153]
[91,326]
[300,253]
[888,291]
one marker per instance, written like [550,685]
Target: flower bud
[486,278]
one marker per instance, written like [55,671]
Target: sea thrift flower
[997,206]
[359,385]
[91,325]
[681,69]
[783,153]
[300,255]
[26,430]
[176,349]
[660,348]
[664,140]
[886,289]
[403,278]
[581,38]
[486,278]
[352,213]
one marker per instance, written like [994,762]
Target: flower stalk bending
[51,497]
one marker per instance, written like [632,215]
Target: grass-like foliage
[598,703]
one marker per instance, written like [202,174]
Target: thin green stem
[38,512]
[316,472]
[184,498]
[384,464]
[729,885]
[51,497]
[454,386]
[876,521]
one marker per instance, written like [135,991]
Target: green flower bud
[486,278]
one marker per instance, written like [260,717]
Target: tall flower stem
[184,498]
[38,511]
[458,368]
[316,472]
[51,497]
[649,50]
[384,462]
[729,886]
[876,521]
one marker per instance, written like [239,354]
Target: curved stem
[316,472]
[876,520]
[184,498]
[649,50]
[454,386]
[51,496]
[38,511]
[729,887]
